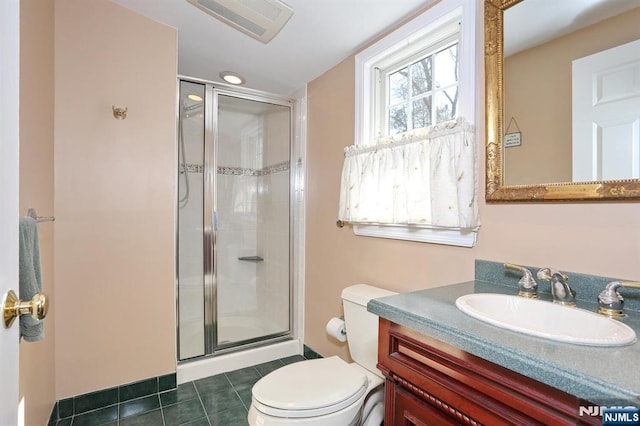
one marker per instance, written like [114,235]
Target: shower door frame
[212,91]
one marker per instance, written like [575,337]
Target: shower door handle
[251,258]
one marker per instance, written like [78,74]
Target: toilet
[329,391]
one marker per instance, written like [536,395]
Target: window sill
[424,235]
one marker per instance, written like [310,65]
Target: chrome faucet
[560,290]
[610,301]
[527,286]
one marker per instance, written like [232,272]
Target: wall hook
[119,113]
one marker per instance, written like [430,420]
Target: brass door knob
[12,307]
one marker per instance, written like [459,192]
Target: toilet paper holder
[336,328]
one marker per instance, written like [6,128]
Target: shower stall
[234,236]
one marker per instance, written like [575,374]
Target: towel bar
[32,213]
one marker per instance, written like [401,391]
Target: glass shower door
[191,260]
[251,219]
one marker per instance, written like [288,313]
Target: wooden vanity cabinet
[432,383]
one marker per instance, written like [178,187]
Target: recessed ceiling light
[232,77]
[195,97]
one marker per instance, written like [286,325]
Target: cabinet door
[409,411]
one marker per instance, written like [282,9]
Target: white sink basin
[546,319]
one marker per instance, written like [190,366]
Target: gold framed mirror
[500,189]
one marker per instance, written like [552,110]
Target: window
[420,76]
[420,92]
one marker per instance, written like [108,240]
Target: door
[252,248]
[606,114]
[9,69]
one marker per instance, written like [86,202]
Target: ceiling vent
[261,19]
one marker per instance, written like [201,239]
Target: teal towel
[31,329]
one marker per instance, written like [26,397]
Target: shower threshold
[229,360]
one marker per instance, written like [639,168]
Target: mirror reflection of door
[606,114]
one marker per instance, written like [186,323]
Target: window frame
[382,71]
[407,41]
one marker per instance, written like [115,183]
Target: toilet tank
[361,325]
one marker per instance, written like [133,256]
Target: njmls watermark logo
[613,416]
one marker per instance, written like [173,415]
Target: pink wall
[593,238]
[114,196]
[37,367]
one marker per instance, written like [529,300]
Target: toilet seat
[310,388]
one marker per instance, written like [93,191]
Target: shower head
[190,109]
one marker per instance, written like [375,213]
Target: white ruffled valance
[422,178]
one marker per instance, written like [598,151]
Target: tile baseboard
[310,353]
[80,404]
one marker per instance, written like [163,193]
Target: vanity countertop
[607,376]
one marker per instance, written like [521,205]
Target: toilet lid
[309,388]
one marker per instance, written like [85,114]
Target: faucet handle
[546,274]
[527,285]
[611,302]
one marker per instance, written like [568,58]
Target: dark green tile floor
[221,400]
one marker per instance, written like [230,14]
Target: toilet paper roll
[336,329]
